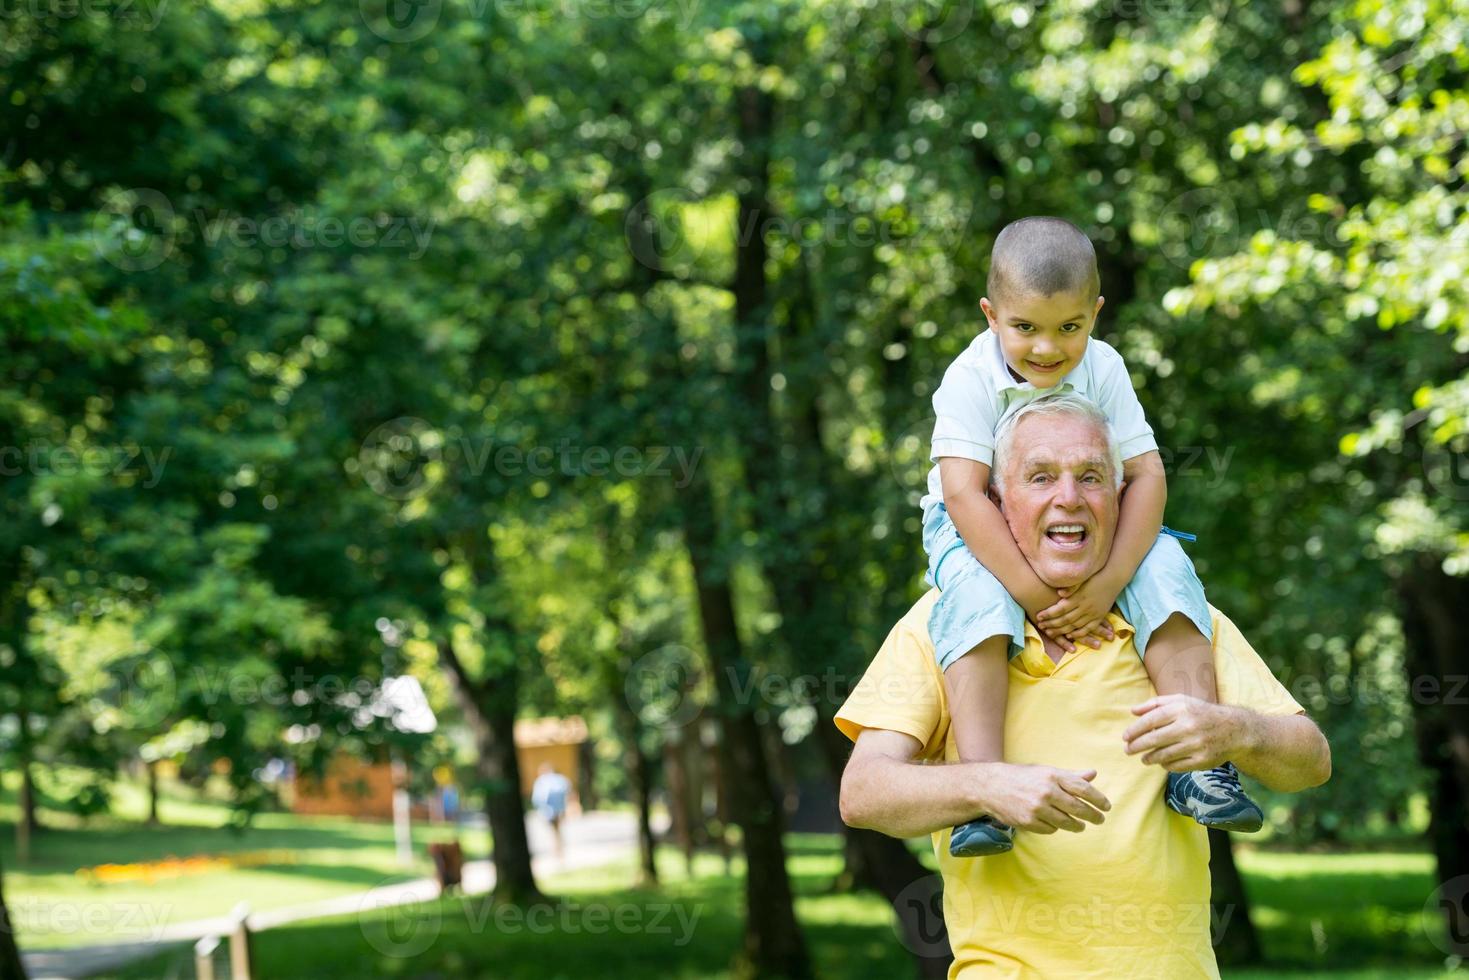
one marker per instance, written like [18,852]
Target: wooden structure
[352,787]
[349,788]
[556,741]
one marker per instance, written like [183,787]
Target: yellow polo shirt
[1128,898]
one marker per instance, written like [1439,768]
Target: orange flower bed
[176,867]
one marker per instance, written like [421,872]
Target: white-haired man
[1089,746]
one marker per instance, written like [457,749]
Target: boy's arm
[983,528]
[1139,520]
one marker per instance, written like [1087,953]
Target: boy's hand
[1035,605]
[1081,613]
[1094,635]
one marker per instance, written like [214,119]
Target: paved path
[592,839]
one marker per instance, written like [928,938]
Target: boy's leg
[1180,660]
[1165,603]
[977,686]
[974,626]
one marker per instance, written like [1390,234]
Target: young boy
[1044,297]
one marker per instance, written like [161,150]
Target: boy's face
[1043,337]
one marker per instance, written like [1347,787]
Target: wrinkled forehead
[1059,443]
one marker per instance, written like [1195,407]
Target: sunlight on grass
[52,905]
[851,935]
[1354,917]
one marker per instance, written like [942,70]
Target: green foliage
[342,427]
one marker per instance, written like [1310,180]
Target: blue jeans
[974,606]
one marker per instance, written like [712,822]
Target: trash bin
[448,860]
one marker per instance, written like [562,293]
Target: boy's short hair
[1042,256]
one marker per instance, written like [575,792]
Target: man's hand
[1081,612]
[1182,733]
[1043,800]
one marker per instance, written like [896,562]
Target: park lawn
[1367,909]
[311,859]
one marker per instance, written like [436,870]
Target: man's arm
[884,789]
[1287,753]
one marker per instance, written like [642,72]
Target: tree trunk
[1235,941]
[11,967]
[809,604]
[640,773]
[1437,664]
[643,787]
[152,768]
[781,769]
[856,874]
[28,800]
[774,945]
[886,864]
[489,710]
[631,727]
[586,786]
[24,826]
[680,804]
[27,825]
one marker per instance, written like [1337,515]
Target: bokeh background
[574,358]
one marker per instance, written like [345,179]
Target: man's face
[1043,337]
[1060,498]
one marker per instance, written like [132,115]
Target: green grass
[1367,911]
[1351,915]
[52,906]
[599,926]
[1360,909]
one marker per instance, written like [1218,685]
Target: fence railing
[227,956]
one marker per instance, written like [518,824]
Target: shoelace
[1222,780]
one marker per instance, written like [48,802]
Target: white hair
[1067,404]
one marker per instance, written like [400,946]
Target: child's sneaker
[981,837]
[1214,798]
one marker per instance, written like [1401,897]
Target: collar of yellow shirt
[1034,660]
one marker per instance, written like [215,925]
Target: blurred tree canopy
[507,345]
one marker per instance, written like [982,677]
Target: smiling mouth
[1045,368]
[1067,535]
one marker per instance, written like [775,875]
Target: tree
[1378,267]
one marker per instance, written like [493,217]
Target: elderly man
[1088,747]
